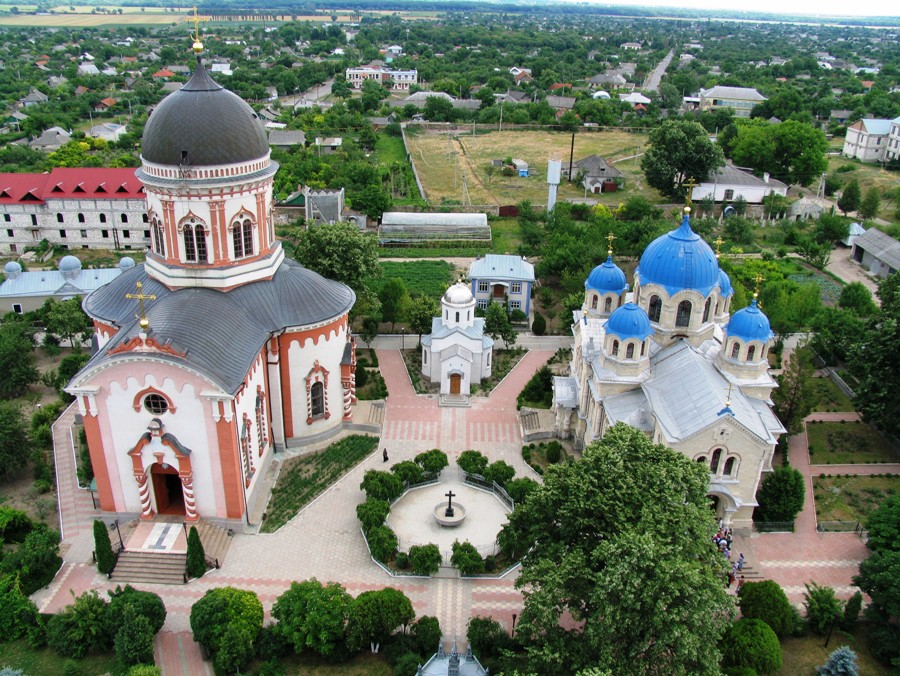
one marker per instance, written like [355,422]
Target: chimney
[765,177]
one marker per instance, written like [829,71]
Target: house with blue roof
[671,359]
[500,278]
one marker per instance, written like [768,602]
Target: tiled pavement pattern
[324,541]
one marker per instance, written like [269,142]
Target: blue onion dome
[680,260]
[126,263]
[628,321]
[606,277]
[725,288]
[749,324]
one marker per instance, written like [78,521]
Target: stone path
[323,540]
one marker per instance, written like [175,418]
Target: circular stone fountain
[449,517]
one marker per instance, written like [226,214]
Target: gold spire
[140,296]
[759,280]
[197,46]
[690,184]
[609,238]
[728,398]
[719,242]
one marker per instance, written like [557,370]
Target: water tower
[554,168]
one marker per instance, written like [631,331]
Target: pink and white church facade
[218,350]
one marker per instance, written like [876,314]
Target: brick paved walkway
[324,541]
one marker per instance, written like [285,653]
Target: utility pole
[571,156]
[501,116]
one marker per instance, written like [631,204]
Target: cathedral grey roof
[203,124]
[220,333]
[687,394]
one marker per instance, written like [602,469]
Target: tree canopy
[679,150]
[624,529]
[312,615]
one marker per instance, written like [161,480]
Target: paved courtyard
[324,540]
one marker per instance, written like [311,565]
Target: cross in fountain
[450,495]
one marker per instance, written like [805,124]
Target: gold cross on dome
[609,238]
[197,46]
[140,296]
[759,280]
[690,184]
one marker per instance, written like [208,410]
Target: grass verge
[829,397]
[851,498]
[303,479]
[840,443]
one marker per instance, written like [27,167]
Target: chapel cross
[610,237]
[140,296]
[197,46]
[690,184]
[450,495]
[759,280]
[719,242]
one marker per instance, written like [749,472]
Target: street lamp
[403,338]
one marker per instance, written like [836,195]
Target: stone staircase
[376,413]
[215,541]
[153,567]
[454,401]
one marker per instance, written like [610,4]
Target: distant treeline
[267,9]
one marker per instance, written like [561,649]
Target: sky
[794,7]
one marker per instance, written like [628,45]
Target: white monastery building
[457,353]
[218,350]
[670,359]
[399,79]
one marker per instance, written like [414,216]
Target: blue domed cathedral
[670,359]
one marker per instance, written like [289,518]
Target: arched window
[457,316]
[317,399]
[706,309]
[468,315]
[159,242]
[629,351]
[717,307]
[714,460]
[246,455]
[607,305]
[145,218]
[735,350]
[60,218]
[242,238]
[195,243]
[751,352]
[643,348]
[702,459]
[124,218]
[654,308]
[683,316]
[424,356]
[615,348]
[81,218]
[594,302]
[728,470]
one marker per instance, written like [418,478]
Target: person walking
[384,454]
[740,561]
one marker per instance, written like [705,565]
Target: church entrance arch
[455,383]
[167,489]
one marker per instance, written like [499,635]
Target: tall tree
[394,299]
[18,362]
[870,204]
[679,150]
[67,321]
[850,198]
[312,615]
[793,398]
[624,529]
[875,361]
[375,615]
[421,311]
[497,324]
[340,251]
[14,441]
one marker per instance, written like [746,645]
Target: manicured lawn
[801,656]
[838,443]
[19,655]
[829,397]
[851,498]
[422,278]
[302,479]
[505,235]
[389,149]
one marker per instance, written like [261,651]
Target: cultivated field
[441,171]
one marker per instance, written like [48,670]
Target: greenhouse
[411,229]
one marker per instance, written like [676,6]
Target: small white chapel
[457,353]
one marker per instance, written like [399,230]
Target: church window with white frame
[195,250]
[242,237]
[159,242]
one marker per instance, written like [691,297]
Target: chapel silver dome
[203,124]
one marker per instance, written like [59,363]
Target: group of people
[723,540]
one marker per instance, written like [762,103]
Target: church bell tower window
[159,242]
[242,238]
[195,243]
[683,316]
[654,308]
